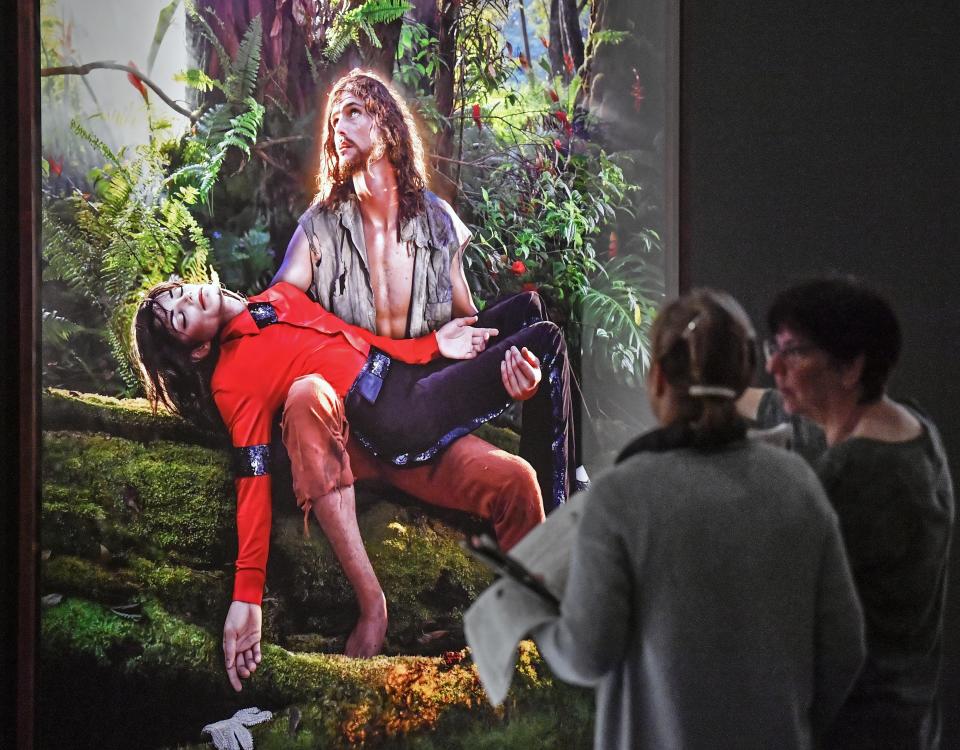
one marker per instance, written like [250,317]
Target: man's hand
[241,641]
[458,339]
[520,373]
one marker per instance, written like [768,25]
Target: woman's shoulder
[885,466]
[887,421]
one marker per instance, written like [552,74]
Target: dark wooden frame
[28,138]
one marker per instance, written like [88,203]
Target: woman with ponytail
[709,600]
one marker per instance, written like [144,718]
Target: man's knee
[519,478]
[533,306]
[546,338]
[315,436]
[311,397]
[518,502]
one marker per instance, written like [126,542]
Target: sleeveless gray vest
[341,275]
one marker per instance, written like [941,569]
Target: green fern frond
[70,257]
[241,134]
[56,329]
[383,11]
[94,141]
[120,348]
[314,73]
[241,79]
[338,40]
[346,27]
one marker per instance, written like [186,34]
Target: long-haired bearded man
[380,251]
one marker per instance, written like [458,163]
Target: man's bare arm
[463,306]
[296,268]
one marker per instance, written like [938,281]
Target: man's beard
[356,161]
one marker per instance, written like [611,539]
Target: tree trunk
[448,11]
[556,40]
[290,40]
[570,28]
[625,82]
[625,90]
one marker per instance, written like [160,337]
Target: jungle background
[193,158]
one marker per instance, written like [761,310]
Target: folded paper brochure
[507,611]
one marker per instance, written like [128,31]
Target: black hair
[169,374]
[846,319]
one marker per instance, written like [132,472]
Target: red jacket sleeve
[248,419]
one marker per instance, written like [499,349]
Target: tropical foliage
[514,148]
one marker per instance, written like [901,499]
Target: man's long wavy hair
[169,375]
[399,140]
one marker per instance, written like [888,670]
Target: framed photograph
[533,150]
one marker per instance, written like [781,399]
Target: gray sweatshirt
[709,602]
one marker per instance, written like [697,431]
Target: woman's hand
[458,339]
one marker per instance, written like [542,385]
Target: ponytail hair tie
[712,390]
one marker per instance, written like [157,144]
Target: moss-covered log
[135,419]
[121,519]
[131,418]
[172,680]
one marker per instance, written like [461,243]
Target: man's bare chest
[391,266]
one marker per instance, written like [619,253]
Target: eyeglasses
[771,348]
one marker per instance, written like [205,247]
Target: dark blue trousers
[406,414]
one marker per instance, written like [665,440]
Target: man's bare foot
[368,634]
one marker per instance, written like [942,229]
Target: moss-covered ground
[137,540]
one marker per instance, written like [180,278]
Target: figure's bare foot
[369,632]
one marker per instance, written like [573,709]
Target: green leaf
[163,25]
[195,79]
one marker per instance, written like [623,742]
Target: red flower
[136,82]
[613,246]
[558,144]
[476,116]
[567,127]
[529,287]
[568,61]
[452,657]
[637,91]
[56,167]
[523,61]
[553,96]
[518,267]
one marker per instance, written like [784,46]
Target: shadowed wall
[824,137]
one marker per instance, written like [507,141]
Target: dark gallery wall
[824,137]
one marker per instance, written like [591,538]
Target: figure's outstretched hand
[241,641]
[520,373]
[458,339]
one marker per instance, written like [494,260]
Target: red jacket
[250,383]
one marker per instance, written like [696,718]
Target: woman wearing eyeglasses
[885,471]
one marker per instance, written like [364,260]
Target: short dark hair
[845,318]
